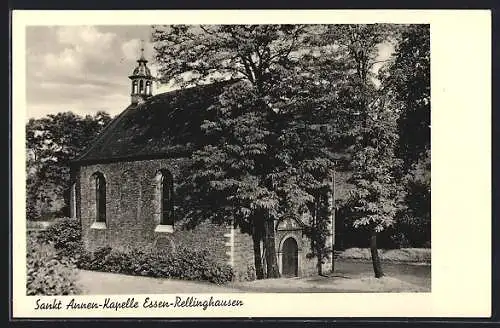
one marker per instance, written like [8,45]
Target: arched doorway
[290,258]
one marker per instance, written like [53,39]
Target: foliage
[48,273]
[65,235]
[409,80]
[183,263]
[250,274]
[377,196]
[51,143]
[371,132]
[271,148]
[416,220]
[318,230]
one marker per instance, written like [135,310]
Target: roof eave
[133,158]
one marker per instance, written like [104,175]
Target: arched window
[167,198]
[73,200]
[134,87]
[100,197]
[164,201]
[148,87]
[141,86]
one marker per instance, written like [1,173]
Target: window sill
[98,225]
[164,228]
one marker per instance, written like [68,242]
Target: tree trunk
[377,266]
[333,258]
[270,247]
[319,265]
[257,253]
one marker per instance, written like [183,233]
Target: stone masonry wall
[130,210]
[131,196]
[244,258]
[243,261]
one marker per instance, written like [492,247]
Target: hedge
[183,263]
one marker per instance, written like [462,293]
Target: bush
[183,263]
[65,234]
[249,275]
[48,274]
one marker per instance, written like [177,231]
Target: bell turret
[142,80]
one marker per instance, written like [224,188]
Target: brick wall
[130,210]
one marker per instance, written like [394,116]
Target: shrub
[183,263]
[65,234]
[47,273]
[248,275]
[401,240]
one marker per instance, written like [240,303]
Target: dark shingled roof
[165,125]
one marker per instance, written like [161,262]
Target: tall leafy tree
[371,131]
[409,81]
[51,143]
[269,153]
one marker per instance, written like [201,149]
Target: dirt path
[350,276]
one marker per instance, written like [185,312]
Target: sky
[84,69]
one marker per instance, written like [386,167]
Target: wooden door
[290,258]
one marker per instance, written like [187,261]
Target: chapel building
[124,185]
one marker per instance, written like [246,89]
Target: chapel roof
[164,125]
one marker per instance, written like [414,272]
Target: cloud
[67,61]
[75,68]
[86,39]
[82,44]
[131,49]
[82,68]
[84,35]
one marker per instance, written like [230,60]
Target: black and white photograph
[249,158]
[229,159]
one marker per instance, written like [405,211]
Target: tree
[409,81]
[371,132]
[51,143]
[416,217]
[268,153]
[319,229]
